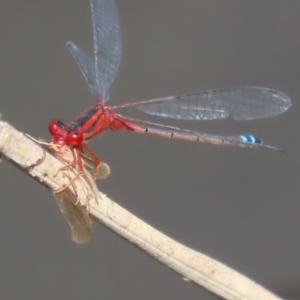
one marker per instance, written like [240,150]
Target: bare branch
[192,265]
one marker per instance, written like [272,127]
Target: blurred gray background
[240,206]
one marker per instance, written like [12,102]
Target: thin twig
[192,265]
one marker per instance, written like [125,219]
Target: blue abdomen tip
[249,138]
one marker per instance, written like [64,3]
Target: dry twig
[192,265]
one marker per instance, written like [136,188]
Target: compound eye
[57,127]
[53,126]
[74,138]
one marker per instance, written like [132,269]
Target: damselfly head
[63,136]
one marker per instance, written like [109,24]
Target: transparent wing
[240,104]
[107,43]
[86,66]
[76,216]
[100,72]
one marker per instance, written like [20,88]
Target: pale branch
[190,264]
